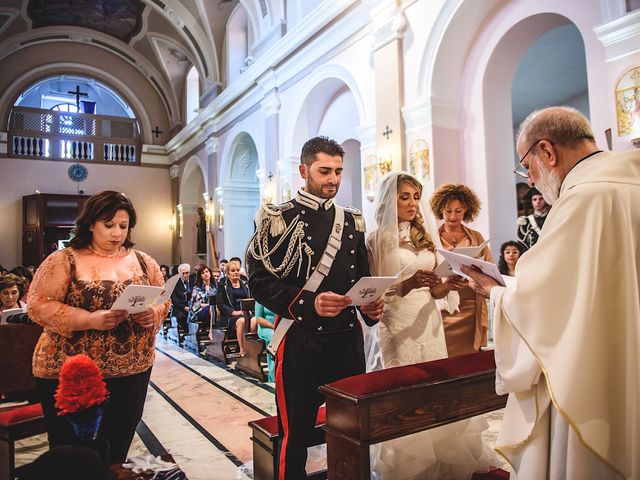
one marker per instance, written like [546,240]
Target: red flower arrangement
[81,385]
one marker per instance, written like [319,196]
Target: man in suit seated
[181,296]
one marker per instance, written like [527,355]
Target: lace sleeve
[47,294]
[156,278]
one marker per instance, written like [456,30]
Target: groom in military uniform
[323,342]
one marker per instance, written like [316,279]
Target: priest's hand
[480,283]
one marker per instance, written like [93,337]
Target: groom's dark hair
[319,145]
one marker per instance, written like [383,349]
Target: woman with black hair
[71,296]
[509,254]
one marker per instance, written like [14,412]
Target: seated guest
[202,290]
[509,254]
[26,277]
[181,296]
[265,319]
[243,273]
[11,290]
[164,270]
[215,273]
[231,290]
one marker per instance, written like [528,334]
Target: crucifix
[157,131]
[270,176]
[77,93]
[387,132]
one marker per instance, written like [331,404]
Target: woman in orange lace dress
[70,297]
[466,329]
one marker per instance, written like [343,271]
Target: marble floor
[198,411]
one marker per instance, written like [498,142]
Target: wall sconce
[172,221]
[180,222]
[220,218]
[385,161]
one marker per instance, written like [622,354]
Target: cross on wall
[387,132]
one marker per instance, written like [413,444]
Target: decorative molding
[79,37]
[211,146]
[174,17]
[174,171]
[388,23]
[270,105]
[621,36]
[415,116]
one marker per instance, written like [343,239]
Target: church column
[213,238]
[174,173]
[388,25]
[270,181]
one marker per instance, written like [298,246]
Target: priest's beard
[549,184]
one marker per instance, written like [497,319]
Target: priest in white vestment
[567,333]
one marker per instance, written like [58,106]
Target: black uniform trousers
[121,416]
[306,360]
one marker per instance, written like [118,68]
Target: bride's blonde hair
[418,234]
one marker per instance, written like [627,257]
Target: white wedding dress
[411,331]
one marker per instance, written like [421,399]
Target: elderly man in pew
[567,336]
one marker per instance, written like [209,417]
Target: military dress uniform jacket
[290,238]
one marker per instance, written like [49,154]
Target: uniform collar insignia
[309,200]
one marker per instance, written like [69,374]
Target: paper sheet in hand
[368,289]
[138,298]
[456,260]
[444,269]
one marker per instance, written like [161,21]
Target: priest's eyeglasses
[520,169]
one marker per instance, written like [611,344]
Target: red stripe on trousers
[282,408]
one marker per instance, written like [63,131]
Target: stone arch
[466,75]
[8,98]
[193,185]
[238,197]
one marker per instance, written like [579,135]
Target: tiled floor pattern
[198,411]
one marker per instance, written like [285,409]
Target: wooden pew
[17,342]
[370,408]
[223,346]
[255,350]
[197,336]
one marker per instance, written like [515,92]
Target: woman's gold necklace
[106,255]
[453,240]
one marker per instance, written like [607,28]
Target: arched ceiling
[161,39]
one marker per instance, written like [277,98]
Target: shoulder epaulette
[358,219]
[521,220]
[272,214]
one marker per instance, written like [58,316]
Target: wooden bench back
[17,342]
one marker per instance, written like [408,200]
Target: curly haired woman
[466,329]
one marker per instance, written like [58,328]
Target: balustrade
[47,134]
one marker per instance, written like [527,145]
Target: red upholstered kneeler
[16,348]
[266,444]
[370,408]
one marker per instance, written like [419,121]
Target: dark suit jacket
[181,295]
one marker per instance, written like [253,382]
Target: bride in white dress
[411,331]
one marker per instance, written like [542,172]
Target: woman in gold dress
[466,329]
